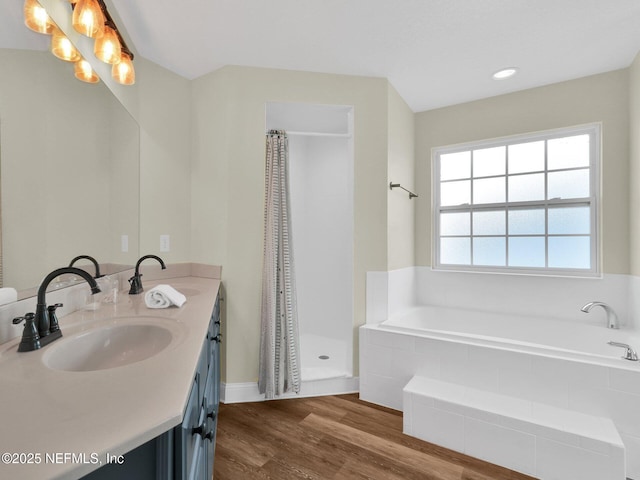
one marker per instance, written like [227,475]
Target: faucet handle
[28,317]
[53,318]
[30,336]
[629,354]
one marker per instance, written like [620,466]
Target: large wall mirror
[69,165]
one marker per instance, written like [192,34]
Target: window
[525,204]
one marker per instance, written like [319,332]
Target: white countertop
[53,414]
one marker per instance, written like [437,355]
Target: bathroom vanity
[149,413]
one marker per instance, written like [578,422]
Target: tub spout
[612,318]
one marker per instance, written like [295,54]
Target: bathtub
[559,363]
[550,337]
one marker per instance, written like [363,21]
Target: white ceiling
[434,52]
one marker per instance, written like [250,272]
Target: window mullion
[471,210]
[506,212]
[546,207]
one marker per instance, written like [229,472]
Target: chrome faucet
[136,280]
[42,328]
[612,318]
[92,260]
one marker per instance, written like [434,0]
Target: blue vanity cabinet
[195,441]
[186,452]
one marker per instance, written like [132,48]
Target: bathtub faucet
[612,318]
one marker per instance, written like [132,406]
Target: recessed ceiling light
[505,73]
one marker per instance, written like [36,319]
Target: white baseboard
[248,391]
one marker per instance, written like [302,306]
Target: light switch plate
[164,243]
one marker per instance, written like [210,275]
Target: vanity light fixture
[90,18]
[36,18]
[505,73]
[83,71]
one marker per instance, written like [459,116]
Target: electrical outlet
[164,243]
[124,243]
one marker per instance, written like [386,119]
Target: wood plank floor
[335,437]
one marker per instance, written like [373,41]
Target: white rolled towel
[163,296]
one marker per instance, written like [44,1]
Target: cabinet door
[187,442]
[212,393]
[209,447]
[202,371]
[198,466]
[213,334]
[215,367]
[216,338]
[211,409]
[199,471]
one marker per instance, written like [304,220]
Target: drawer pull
[203,431]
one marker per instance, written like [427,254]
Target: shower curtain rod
[318,134]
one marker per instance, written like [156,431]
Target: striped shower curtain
[279,341]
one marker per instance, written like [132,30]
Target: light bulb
[107,47]
[62,47]
[123,72]
[83,71]
[88,18]
[505,73]
[36,18]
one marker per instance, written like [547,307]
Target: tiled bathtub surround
[529,437]
[388,360]
[559,297]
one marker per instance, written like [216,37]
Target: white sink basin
[109,346]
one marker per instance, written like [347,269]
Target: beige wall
[228,186]
[599,98]
[160,102]
[164,115]
[634,170]
[401,166]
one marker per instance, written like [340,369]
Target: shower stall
[321,198]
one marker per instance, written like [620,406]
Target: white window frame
[593,200]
